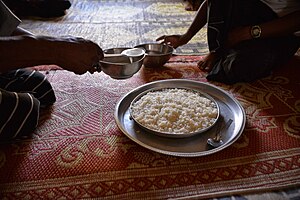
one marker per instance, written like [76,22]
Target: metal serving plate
[229,108]
[168,134]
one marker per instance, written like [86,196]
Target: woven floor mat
[123,23]
[34,168]
[78,151]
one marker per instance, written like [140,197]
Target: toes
[201,64]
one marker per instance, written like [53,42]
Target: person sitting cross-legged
[24,92]
[246,39]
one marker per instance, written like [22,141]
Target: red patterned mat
[79,152]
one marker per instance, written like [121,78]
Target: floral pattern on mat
[78,151]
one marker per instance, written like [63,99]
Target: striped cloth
[22,93]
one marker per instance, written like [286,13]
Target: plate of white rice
[187,146]
[174,112]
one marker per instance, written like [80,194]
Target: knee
[19,115]
[42,89]
[247,68]
[238,67]
[36,83]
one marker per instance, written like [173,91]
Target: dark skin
[23,49]
[282,26]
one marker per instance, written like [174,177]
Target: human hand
[79,55]
[173,40]
[207,63]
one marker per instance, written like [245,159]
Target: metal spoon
[217,140]
[133,52]
[130,53]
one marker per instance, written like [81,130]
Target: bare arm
[199,21]
[286,25]
[73,54]
[282,26]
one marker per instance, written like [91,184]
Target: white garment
[8,21]
[283,7]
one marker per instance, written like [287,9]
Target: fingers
[205,66]
[201,65]
[99,51]
[100,54]
[172,40]
[164,40]
[207,63]
[95,68]
[161,38]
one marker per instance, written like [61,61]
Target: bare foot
[207,63]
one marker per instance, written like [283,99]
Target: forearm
[283,26]
[25,51]
[199,22]
[71,53]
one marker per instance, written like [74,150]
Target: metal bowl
[115,50]
[156,54]
[120,66]
[171,134]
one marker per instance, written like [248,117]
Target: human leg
[250,59]
[225,15]
[24,80]
[19,114]
[22,93]
[253,59]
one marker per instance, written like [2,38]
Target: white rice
[174,111]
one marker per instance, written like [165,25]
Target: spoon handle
[225,126]
[220,129]
[217,140]
[113,55]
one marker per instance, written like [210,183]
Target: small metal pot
[156,54]
[120,66]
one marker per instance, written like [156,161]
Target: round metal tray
[229,108]
[168,134]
